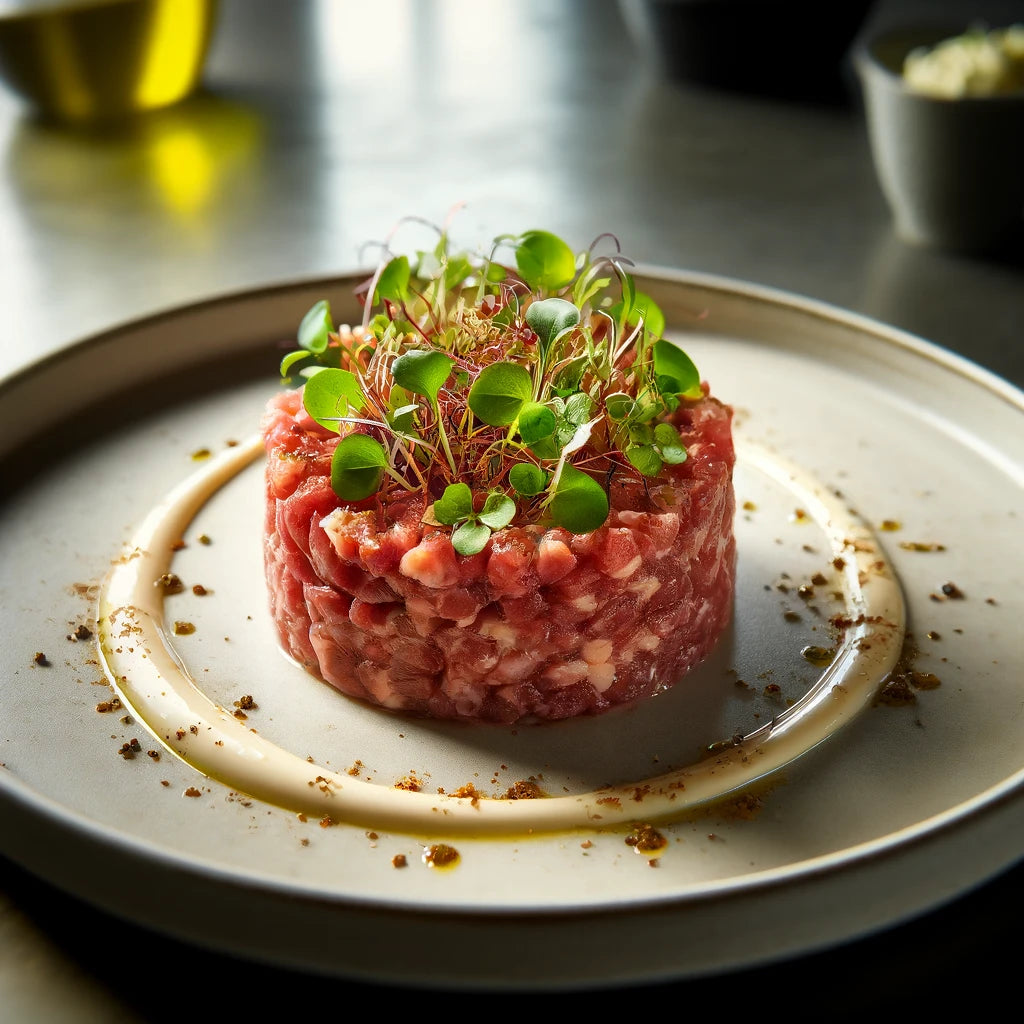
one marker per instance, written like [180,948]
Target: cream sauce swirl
[153,681]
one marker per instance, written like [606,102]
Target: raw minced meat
[540,624]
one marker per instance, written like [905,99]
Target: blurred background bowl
[788,49]
[951,170]
[86,61]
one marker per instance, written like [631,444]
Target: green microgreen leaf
[619,406]
[670,444]
[455,504]
[625,308]
[330,394]
[457,270]
[650,406]
[470,538]
[422,371]
[567,380]
[641,433]
[645,459]
[357,467]
[401,410]
[401,419]
[548,448]
[585,289]
[316,327]
[291,360]
[527,478]
[500,392]
[544,261]
[579,503]
[536,421]
[499,510]
[674,370]
[393,283]
[654,319]
[639,306]
[550,318]
[578,408]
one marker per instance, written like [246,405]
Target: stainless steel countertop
[320,125]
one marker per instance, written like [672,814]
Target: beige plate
[878,811]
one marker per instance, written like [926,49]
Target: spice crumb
[646,839]
[440,855]
[524,789]
[169,583]
[41,659]
[399,861]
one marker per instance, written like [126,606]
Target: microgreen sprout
[472,529]
[516,389]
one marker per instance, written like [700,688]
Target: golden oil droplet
[891,525]
[439,855]
[820,656]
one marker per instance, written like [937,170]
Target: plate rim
[767,294]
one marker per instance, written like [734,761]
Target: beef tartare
[502,497]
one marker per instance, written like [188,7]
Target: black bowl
[794,49]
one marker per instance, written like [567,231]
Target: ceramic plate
[879,494]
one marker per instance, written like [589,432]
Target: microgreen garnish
[331,395]
[500,392]
[516,389]
[674,370]
[544,261]
[357,467]
[423,372]
[316,327]
[472,529]
[579,502]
